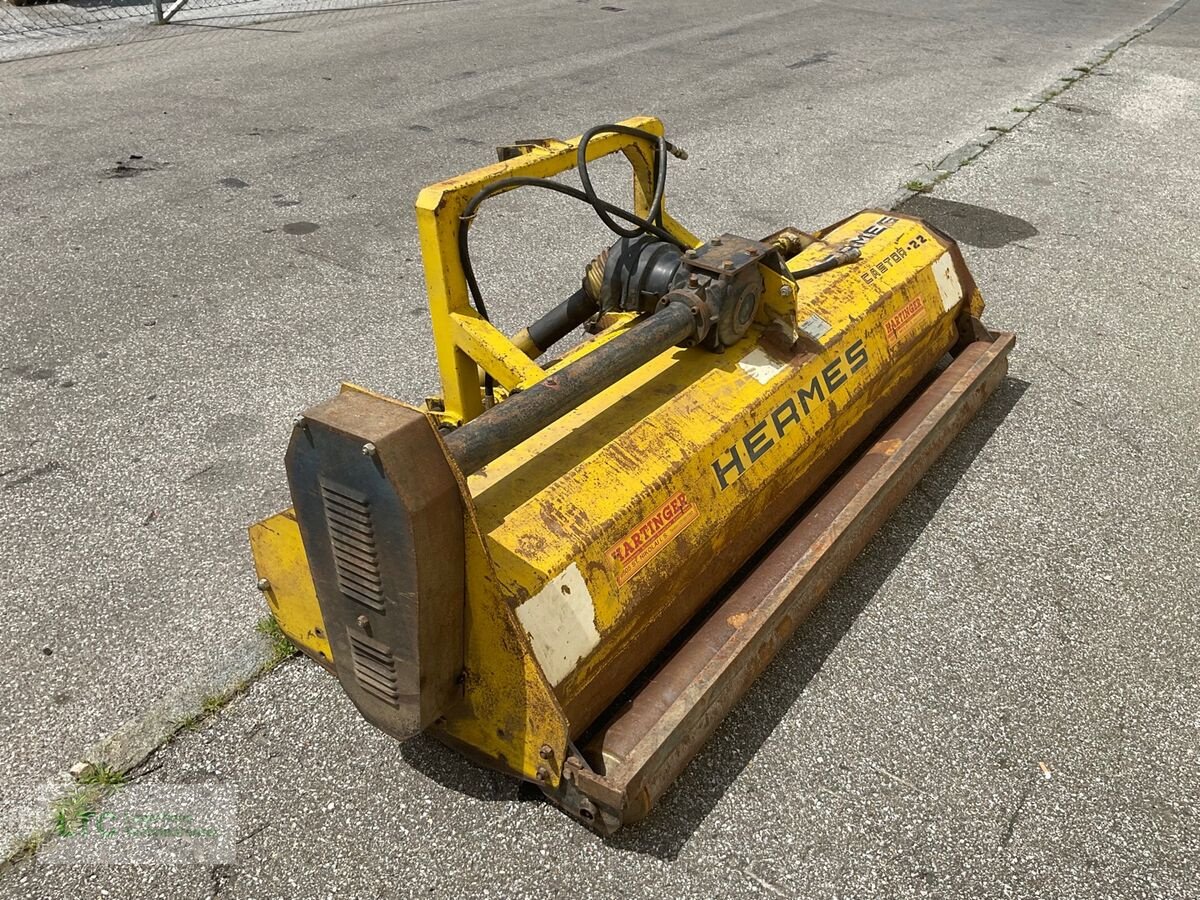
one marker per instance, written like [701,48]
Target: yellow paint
[279,558]
[495,352]
[508,711]
[583,485]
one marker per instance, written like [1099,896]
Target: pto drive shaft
[525,414]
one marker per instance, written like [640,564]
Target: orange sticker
[651,535]
[904,321]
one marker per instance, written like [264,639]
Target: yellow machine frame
[463,340]
[907,301]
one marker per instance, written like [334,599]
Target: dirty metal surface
[662,728]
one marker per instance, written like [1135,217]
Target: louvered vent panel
[352,535]
[374,667]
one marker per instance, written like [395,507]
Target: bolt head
[715,242]
[368,449]
[263,584]
[546,751]
[299,422]
[543,774]
[690,254]
[363,621]
[785,290]
[728,264]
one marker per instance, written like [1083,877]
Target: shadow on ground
[967,223]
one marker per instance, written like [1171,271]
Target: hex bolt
[727,265]
[363,621]
[368,449]
[263,584]
[543,774]
[785,290]
[299,422]
[690,254]
[715,242]
[546,751]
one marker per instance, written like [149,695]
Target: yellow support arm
[464,342]
[499,356]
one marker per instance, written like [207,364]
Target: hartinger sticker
[904,322]
[651,535]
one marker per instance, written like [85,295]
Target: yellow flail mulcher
[570,571]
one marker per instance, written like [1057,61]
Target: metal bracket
[726,255]
[460,344]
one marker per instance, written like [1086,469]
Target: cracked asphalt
[1000,697]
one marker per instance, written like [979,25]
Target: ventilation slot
[352,536]
[374,667]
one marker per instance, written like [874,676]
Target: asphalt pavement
[999,698]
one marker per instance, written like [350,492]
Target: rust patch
[549,516]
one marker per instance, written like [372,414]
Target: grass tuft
[281,645]
[71,813]
[211,704]
[102,774]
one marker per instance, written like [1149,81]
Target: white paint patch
[815,327]
[561,623]
[760,366]
[947,281]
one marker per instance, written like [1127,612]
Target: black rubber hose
[605,210]
[654,213]
[561,321]
[507,184]
[837,259]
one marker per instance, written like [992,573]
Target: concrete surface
[1030,604]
